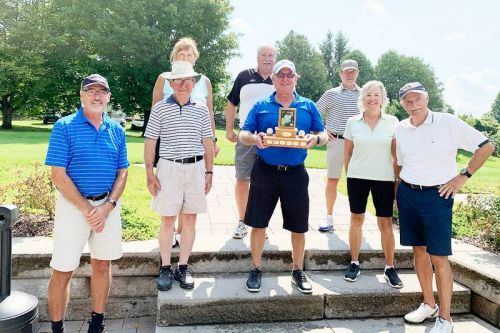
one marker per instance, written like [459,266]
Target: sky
[459,39]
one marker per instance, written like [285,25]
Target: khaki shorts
[334,158]
[244,159]
[182,188]
[72,232]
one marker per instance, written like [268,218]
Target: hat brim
[350,67]
[285,66]
[96,83]
[415,91]
[169,76]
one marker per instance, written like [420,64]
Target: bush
[478,216]
[136,226]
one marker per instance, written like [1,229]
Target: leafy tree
[366,72]
[495,108]
[313,78]
[327,51]
[341,48]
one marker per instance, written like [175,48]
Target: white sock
[387,267]
[355,262]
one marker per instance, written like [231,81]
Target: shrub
[135,226]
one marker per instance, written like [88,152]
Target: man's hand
[153,185]
[231,135]
[208,182]
[312,140]
[258,140]
[452,187]
[97,216]
[330,136]
[216,149]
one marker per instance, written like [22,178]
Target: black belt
[187,159]
[281,167]
[420,187]
[338,136]
[97,196]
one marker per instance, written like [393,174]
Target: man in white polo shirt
[427,144]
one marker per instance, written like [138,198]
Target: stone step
[461,324]
[222,298]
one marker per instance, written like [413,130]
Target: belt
[338,136]
[281,167]
[420,187]
[187,159]
[97,196]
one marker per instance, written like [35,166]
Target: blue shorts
[425,219]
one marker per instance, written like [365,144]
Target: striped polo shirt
[91,157]
[339,104]
[181,129]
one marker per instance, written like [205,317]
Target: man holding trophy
[279,173]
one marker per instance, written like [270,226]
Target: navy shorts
[267,185]
[382,195]
[425,219]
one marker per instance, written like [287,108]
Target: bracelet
[214,139]
[317,141]
[209,172]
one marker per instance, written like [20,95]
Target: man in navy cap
[88,156]
[427,144]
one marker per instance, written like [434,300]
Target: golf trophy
[285,135]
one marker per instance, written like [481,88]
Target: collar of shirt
[296,103]
[428,120]
[383,116]
[356,87]
[170,99]
[81,119]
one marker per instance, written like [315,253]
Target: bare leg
[257,240]
[423,267]
[355,233]
[58,294]
[331,194]
[444,282]
[387,239]
[187,238]
[180,221]
[99,283]
[241,194]
[165,238]
[298,245]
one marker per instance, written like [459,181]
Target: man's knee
[332,183]
[440,261]
[60,278]
[101,267]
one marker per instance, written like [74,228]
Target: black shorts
[382,195]
[267,185]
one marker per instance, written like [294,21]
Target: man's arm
[477,160]
[230,116]
[69,191]
[209,163]
[249,139]
[149,158]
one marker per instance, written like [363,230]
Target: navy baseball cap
[95,79]
[411,87]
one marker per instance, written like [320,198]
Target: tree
[395,70]
[341,48]
[327,51]
[366,72]
[313,78]
[495,108]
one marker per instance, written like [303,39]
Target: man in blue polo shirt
[88,156]
[279,173]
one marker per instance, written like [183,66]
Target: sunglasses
[290,75]
[182,81]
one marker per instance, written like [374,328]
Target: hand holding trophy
[286,132]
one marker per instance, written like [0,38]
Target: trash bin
[18,310]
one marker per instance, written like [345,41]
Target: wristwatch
[111,201]
[465,172]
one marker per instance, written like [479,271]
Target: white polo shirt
[427,153]
[371,156]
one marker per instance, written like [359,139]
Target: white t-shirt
[427,153]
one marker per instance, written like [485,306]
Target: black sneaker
[183,275]
[300,279]
[254,280]
[164,279]
[392,278]
[96,329]
[352,272]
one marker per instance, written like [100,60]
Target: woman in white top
[185,49]
[370,162]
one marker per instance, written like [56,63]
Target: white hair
[267,46]
[364,91]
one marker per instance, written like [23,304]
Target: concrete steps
[222,298]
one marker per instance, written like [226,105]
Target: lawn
[27,143]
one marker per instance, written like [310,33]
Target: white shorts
[334,158]
[182,188]
[72,232]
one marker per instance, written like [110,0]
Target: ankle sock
[355,262]
[387,267]
[57,326]
[96,319]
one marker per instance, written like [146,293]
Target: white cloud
[472,91]
[239,25]
[376,7]
[453,36]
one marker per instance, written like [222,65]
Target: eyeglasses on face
[183,81]
[290,75]
[100,93]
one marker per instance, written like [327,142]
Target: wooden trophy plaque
[285,134]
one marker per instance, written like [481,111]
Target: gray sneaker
[165,278]
[352,273]
[241,230]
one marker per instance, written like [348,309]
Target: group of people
[412,161]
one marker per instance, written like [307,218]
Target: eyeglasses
[100,93]
[290,75]
[182,81]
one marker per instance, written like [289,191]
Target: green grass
[27,143]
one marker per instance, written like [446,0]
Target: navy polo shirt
[265,114]
[91,157]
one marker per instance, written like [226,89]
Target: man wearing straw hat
[184,171]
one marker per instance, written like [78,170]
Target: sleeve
[206,125]
[58,150]
[395,124]
[122,154]
[316,121]
[466,136]
[251,121]
[154,123]
[234,94]
[323,103]
[348,129]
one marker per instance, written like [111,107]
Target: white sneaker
[423,312]
[178,238]
[442,326]
[327,225]
[241,231]
[174,239]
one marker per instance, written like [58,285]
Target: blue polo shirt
[265,113]
[91,157]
